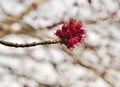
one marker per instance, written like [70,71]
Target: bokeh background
[96,63]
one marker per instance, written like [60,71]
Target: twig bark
[10,44]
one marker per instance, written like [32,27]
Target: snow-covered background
[96,63]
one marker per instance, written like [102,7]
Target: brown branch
[6,29]
[11,19]
[100,74]
[97,72]
[17,74]
[10,44]
[55,24]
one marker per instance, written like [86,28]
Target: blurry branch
[6,29]
[5,26]
[90,21]
[99,73]
[91,47]
[55,24]
[12,19]
[12,71]
[110,18]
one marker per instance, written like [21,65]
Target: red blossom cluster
[71,34]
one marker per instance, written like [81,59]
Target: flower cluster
[71,34]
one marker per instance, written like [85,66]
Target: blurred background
[96,63]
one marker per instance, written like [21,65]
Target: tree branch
[10,44]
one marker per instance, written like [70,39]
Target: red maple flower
[71,34]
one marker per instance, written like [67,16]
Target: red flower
[71,34]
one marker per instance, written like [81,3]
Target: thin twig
[10,44]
